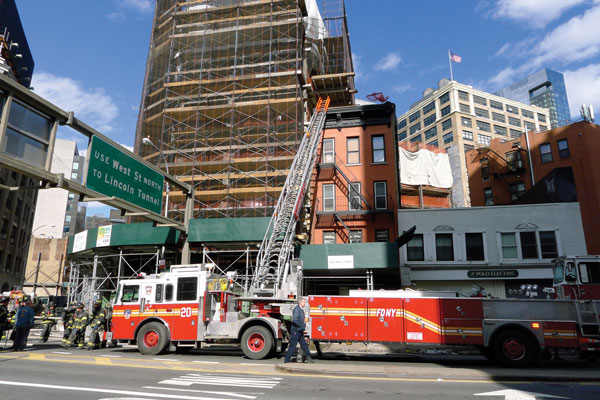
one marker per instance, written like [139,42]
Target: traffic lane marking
[179,367]
[232,394]
[110,391]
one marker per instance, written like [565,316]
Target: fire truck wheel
[257,342]
[152,338]
[513,348]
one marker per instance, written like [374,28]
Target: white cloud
[583,86]
[505,77]
[389,62]
[356,63]
[136,6]
[402,88]
[93,106]
[142,6]
[536,13]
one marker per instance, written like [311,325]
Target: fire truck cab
[577,277]
[188,306]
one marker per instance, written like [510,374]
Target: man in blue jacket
[23,323]
[297,333]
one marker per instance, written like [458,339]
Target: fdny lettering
[385,312]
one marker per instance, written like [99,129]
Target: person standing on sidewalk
[48,322]
[4,317]
[97,317]
[23,323]
[297,333]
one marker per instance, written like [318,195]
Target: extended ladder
[272,261]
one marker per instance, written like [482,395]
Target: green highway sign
[113,172]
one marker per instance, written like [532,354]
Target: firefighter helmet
[80,305]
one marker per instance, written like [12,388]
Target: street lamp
[147,142]
[41,226]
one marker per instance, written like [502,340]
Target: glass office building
[545,88]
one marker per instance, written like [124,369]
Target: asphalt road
[50,372]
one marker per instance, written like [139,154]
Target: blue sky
[90,55]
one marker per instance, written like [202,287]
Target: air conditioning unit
[489,202]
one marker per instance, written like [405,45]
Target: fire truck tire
[152,338]
[514,348]
[257,342]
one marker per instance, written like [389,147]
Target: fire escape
[494,164]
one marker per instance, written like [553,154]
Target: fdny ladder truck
[194,304]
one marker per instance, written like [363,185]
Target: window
[464,121]
[431,132]
[355,236]
[444,248]
[429,120]
[429,108]
[76,165]
[496,104]
[158,296]
[416,138]
[402,135]
[328,237]
[328,151]
[526,113]
[382,235]
[488,196]
[548,244]
[512,109]
[67,218]
[434,143]
[71,196]
[130,293]
[563,148]
[169,292]
[329,197]
[485,168]
[445,111]
[545,152]
[515,133]
[402,124]
[354,196]
[589,272]
[543,127]
[514,121]
[415,249]
[484,139]
[74,175]
[445,98]
[468,147]
[187,288]
[480,112]
[27,134]
[530,126]
[498,117]
[479,100]
[352,151]
[464,108]
[467,135]
[528,245]
[509,245]
[541,117]
[378,147]
[416,127]
[380,195]
[415,116]
[474,246]
[483,126]
[448,138]
[517,190]
[447,124]
[463,95]
[513,160]
[500,130]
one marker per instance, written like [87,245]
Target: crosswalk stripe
[219,380]
[233,394]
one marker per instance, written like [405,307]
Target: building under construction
[228,90]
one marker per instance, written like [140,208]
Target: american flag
[455,57]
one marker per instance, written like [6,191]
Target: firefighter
[67,319]
[4,317]
[97,318]
[80,322]
[48,322]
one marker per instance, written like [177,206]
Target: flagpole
[450,62]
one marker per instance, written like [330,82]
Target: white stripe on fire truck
[560,333]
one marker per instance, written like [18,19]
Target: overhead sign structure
[113,172]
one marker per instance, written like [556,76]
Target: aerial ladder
[271,276]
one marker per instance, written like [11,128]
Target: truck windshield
[559,271]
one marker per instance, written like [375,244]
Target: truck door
[422,320]
[385,320]
[186,309]
[461,321]
[126,312]
[346,318]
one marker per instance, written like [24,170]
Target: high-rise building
[228,90]
[58,212]
[545,88]
[16,204]
[459,118]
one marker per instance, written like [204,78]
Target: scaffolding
[226,94]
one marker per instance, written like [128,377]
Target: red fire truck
[577,277]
